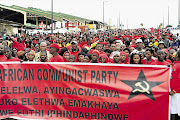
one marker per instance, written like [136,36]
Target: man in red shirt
[74,50]
[2,56]
[175,89]
[160,60]
[54,48]
[8,54]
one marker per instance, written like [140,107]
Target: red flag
[152,30]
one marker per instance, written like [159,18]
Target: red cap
[96,51]
[55,46]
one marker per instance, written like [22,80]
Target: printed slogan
[79,91]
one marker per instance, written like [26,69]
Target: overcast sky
[132,12]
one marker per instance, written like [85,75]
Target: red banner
[71,24]
[84,91]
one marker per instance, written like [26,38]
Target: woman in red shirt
[148,60]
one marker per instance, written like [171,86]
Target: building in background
[32,18]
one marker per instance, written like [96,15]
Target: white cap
[115,53]
[138,40]
[75,42]
[118,41]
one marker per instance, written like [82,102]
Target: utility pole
[163,20]
[51,16]
[117,24]
[168,14]
[119,20]
[127,23]
[179,13]
[121,25]
[103,15]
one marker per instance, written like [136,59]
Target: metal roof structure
[20,15]
[56,16]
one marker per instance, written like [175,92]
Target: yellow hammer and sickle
[143,89]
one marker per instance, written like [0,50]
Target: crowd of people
[138,46]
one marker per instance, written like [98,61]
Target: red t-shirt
[12,60]
[156,62]
[144,61]
[167,60]
[58,58]
[2,58]
[75,54]
[175,82]
[82,43]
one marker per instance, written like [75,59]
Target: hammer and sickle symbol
[143,89]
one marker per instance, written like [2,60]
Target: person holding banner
[72,58]
[103,58]
[175,89]
[135,58]
[81,56]
[87,58]
[30,56]
[66,56]
[54,48]
[148,60]
[8,54]
[161,58]
[95,56]
[43,57]
[116,57]
[43,47]
[123,58]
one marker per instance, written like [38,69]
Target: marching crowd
[119,47]
[140,46]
